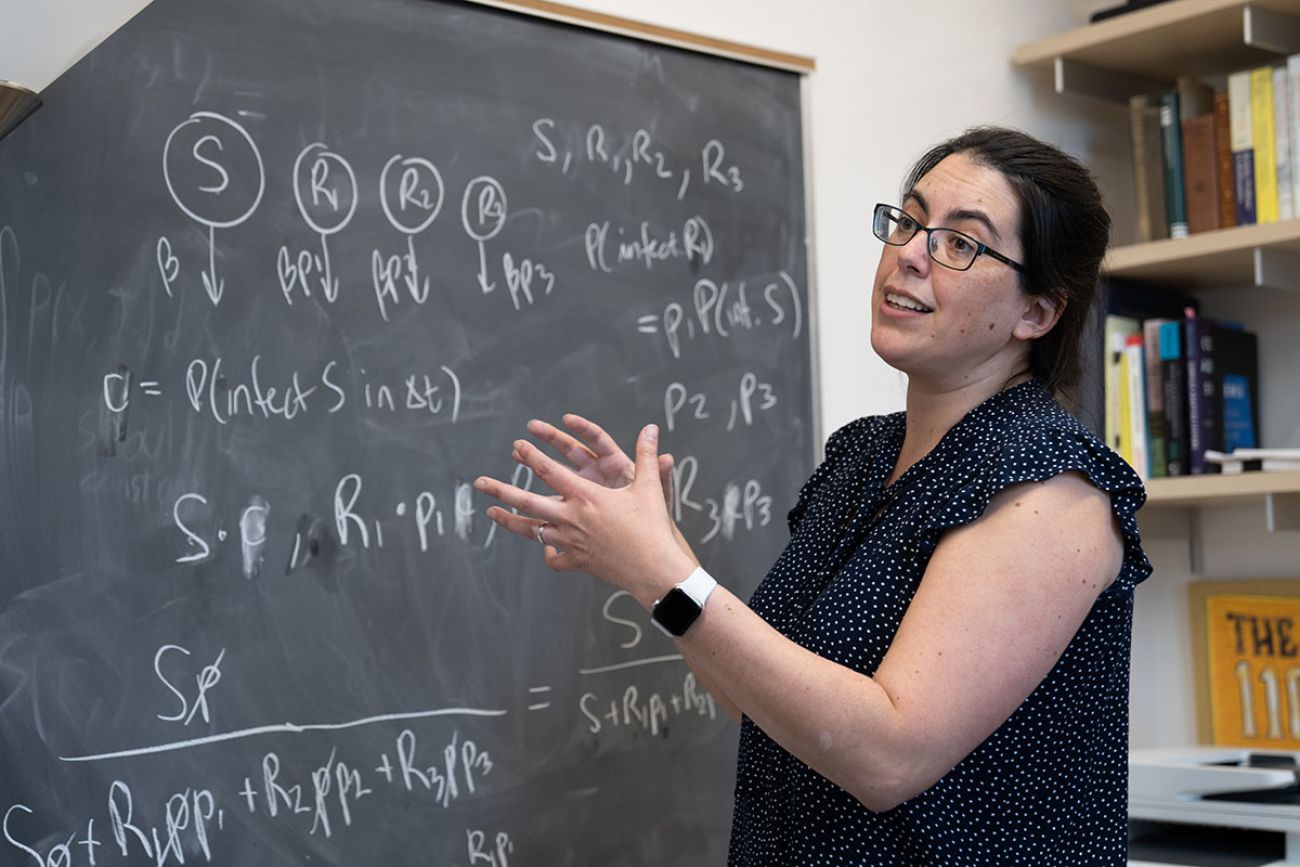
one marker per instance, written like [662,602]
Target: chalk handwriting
[494,852]
[630,157]
[199,157]
[751,396]
[740,506]
[717,310]
[411,192]
[325,187]
[646,246]
[205,680]
[647,712]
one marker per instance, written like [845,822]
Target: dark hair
[1064,229]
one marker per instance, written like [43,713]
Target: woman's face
[972,324]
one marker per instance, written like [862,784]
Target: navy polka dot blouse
[1049,787]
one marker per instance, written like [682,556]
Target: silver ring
[537,533]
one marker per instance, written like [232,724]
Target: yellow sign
[1252,646]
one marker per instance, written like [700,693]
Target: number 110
[1272,701]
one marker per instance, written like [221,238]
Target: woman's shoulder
[848,438]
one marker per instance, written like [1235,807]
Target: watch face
[676,611]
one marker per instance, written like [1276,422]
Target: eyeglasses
[948,247]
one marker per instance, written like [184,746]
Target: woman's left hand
[623,536]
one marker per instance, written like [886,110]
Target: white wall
[889,84]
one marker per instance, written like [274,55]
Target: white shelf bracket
[1277,269]
[1282,512]
[1269,30]
[1084,80]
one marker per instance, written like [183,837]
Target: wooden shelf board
[1220,259]
[1216,489]
[1192,37]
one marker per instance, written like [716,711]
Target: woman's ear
[1040,315]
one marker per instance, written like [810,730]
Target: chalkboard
[278,280]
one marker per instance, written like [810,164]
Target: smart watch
[682,605]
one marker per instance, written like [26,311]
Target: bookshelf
[1278,491]
[1130,53]
[1145,52]
[1260,255]
[1214,490]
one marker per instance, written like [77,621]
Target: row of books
[1207,157]
[1176,387]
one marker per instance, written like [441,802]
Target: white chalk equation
[750,398]
[220,391]
[322,802]
[214,172]
[717,311]
[630,157]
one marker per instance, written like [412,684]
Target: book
[1203,407]
[1236,372]
[1240,137]
[1139,452]
[1130,299]
[1173,381]
[1200,172]
[1282,142]
[1293,116]
[1112,11]
[1223,161]
[1263,136]
[1148,168]
[1117,330]
[1171,139]
[1155,398]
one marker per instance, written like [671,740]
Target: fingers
[573,450]
[560,478]
[520,525]
[592,434]
[666,477]
[536,505]
[526,528]
[647,453]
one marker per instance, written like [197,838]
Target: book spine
[1264,138]
[1199,174]
[1148,169]
[1282,124]
[1155,399]
[1293,117]
[1115,331]
[1223,162]
[1195,403]
[1171,135]
[1174,391]
[1205,430]
[1243,152]
[1135,369]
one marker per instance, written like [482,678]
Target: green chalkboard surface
[278,280]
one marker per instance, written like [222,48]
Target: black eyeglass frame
[981,249]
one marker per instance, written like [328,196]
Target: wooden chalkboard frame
[656,33]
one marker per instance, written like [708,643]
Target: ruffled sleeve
[840,448]
[1037,457]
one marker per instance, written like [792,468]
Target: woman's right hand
[595,456]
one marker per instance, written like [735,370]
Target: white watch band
[699,585]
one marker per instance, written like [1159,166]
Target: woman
[935,671]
